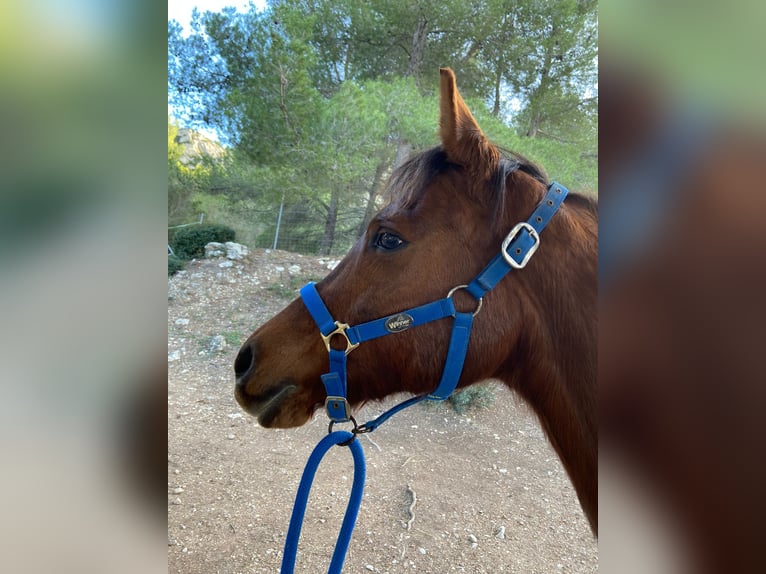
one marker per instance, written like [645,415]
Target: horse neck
[553,363]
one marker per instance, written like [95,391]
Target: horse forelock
[408,183]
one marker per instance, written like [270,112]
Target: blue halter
[517,249]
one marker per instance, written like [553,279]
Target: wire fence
[300,229]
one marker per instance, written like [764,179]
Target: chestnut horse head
[450,209]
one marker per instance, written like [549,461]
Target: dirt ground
[489,492]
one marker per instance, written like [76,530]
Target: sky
[180,10]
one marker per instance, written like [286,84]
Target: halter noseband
[516,250]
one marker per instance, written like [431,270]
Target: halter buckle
[340,329]
[530,251]
[338,410]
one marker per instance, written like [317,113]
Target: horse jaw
[274,408]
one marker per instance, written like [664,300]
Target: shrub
[175,264]
[478,396]
[190,241]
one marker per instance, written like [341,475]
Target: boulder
[235,250]
[215,249]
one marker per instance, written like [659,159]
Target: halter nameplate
[517,249]
[399,323]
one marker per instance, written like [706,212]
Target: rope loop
[301,499]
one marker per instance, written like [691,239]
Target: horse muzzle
[274,403]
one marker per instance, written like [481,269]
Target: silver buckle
[511,236]
[339,406]
[340,329]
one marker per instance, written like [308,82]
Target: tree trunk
[540,92]
[534,126]
[418,47]
[375,189]
[498,81]
[330,223]
[403,151]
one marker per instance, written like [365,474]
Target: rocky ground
[478,492]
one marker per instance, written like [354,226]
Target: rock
[217,343]
[178,490]
[500,532]
[215,249]
[294,269]
[473,539]
[184,136]
[224,264]
[195,147]
[235,250]
[174,356]
[422,551]
[370,567]
[182,321]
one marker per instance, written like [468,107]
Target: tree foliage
[319,99]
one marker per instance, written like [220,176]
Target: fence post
[279,220]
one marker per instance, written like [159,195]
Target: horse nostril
[245,361]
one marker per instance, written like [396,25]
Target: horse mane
[408,183]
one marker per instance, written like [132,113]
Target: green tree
[555,72]
[320,99]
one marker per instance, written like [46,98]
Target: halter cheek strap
[516,250]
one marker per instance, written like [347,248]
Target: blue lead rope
[352,509]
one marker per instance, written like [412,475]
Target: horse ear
[462,138]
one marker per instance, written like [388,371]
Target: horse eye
[388,241]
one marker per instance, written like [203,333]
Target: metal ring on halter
[340,329]
[458,288]
[350,418]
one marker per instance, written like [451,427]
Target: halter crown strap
[520,244]
[517,249]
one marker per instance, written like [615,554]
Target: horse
[681,320]
[450,207]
